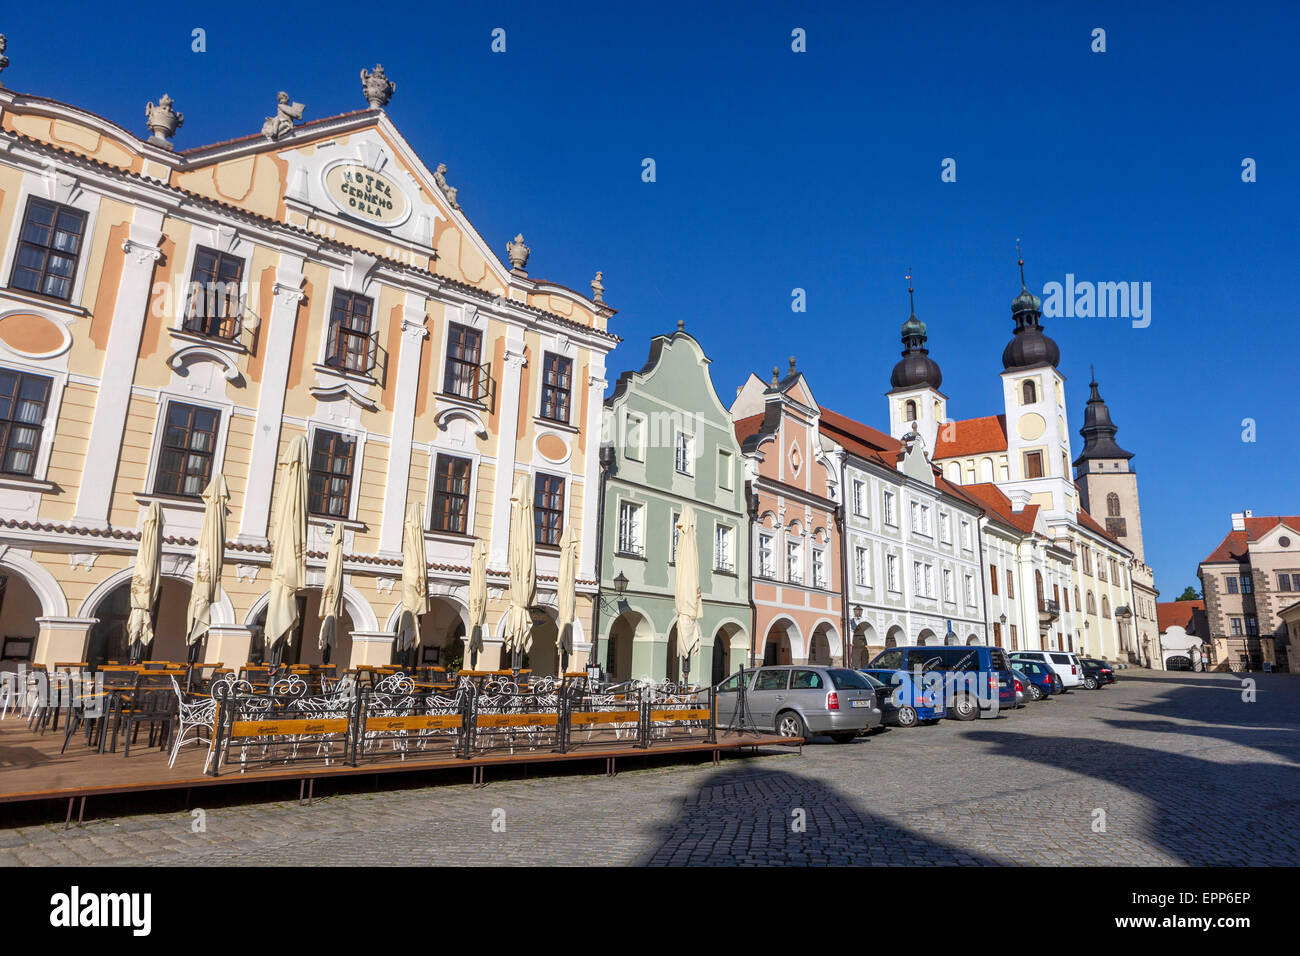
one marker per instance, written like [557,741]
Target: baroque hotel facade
[167,316]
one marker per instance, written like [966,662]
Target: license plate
[859,703]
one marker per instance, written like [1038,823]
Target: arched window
[954,472]
[1105,606]
[1112,505]
[1029,391]
[1092,604]
[910,410]
[986,469]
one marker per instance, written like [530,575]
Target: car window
[771,679]
[844,678]
[963,660]
[875,682]
[924,658]
[1061,658]
[806,680]
[891,659]
[730,685]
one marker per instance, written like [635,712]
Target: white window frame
[635,527]
[766,556]
[859,497]
[891,574]
[724,550]
[819,568]
[794,562]
[890,518]
[861,557]
[689,448]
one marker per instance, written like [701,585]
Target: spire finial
[911,305]
[776,375]
[1092,370]
[1021,258]
[791,364]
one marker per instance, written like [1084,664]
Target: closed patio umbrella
[208,560]
[145,582]
[686,589]
[415,579]
[288,549]
[331,595]
[567,597]
[477,599]
[523,573]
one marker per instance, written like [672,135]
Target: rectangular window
[48,249]
[215,306]
[918,585]
[676,534]
[965,535]
[859,498]
[451,494]
[1101,569]
[1232,584]
[1015,639]
[1236,627]
[548,509]
[726,479]
[630,529]
[463,373]
[634,437]
[723,559]
[557,384]
[1033,464]
[350,345]
[993,578]
[948,594]
[860,565]
[891,571]
[1247,584]
[765,556]
[23,401]
[1284,582]
[970,591]
[1252,625]
[997,634]
[684,455]
[819,568]
[188,443]
[1011,586]
[329,481]
[945,527]
[889,509]
[793,562]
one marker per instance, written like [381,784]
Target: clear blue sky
[821,170]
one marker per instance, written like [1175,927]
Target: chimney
[1239,520]
[1019,500]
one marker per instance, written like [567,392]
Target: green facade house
[673,445]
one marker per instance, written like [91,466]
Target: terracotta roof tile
[999,506]
[971,436]
[1091,523]
[1177,614]
[746,427]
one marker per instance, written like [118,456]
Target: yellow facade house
[169,316]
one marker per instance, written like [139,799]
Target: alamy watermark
[1075,299]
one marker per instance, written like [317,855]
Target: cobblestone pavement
[1184,770]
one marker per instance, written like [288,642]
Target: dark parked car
[1096,673]
[1043,680]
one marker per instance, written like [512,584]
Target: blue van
[974,680]
[903,702]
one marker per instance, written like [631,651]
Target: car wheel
[965,709]
[1090,683]
[843,738]
[906,716]
[790,724]
[1035,692]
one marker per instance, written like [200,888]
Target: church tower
[914,397]
[1033,392]
[1106,481]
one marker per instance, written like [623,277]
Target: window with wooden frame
[49,247]
[189,442]
[351,344]
[329,480]
[993,577]
[1011,585]
[464,375]
[215,306]
[1033,463]
[548,509]
[451,494]
[24,399]
[557,385]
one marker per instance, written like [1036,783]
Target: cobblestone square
[1185,771]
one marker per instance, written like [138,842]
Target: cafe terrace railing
[401,718]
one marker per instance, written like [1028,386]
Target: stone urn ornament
[163,121]
[377,88]
[518,254]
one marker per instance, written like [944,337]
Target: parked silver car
[803,700]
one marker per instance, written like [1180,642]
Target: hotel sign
[366,194]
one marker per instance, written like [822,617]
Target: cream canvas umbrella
[208,559]
[523,574]
[331,595]
[415,578]
[477,599]
[686,588]
[145,582]
[289,546]
[567,597]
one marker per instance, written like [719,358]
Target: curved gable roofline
[32,105]
[657,346]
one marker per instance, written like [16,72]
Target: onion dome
[916,369]
[1028,347]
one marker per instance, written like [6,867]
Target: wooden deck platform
[32,769]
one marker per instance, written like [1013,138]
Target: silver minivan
[802,700]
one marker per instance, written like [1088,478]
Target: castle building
[167,316]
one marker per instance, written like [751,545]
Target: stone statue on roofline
[377,88]
[598,289]
[163,121]
[286,114]
[4,60]
[440,177]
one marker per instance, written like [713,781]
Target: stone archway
[628,632]
[865,645]
[894,636]
[781,643]
[927,638]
